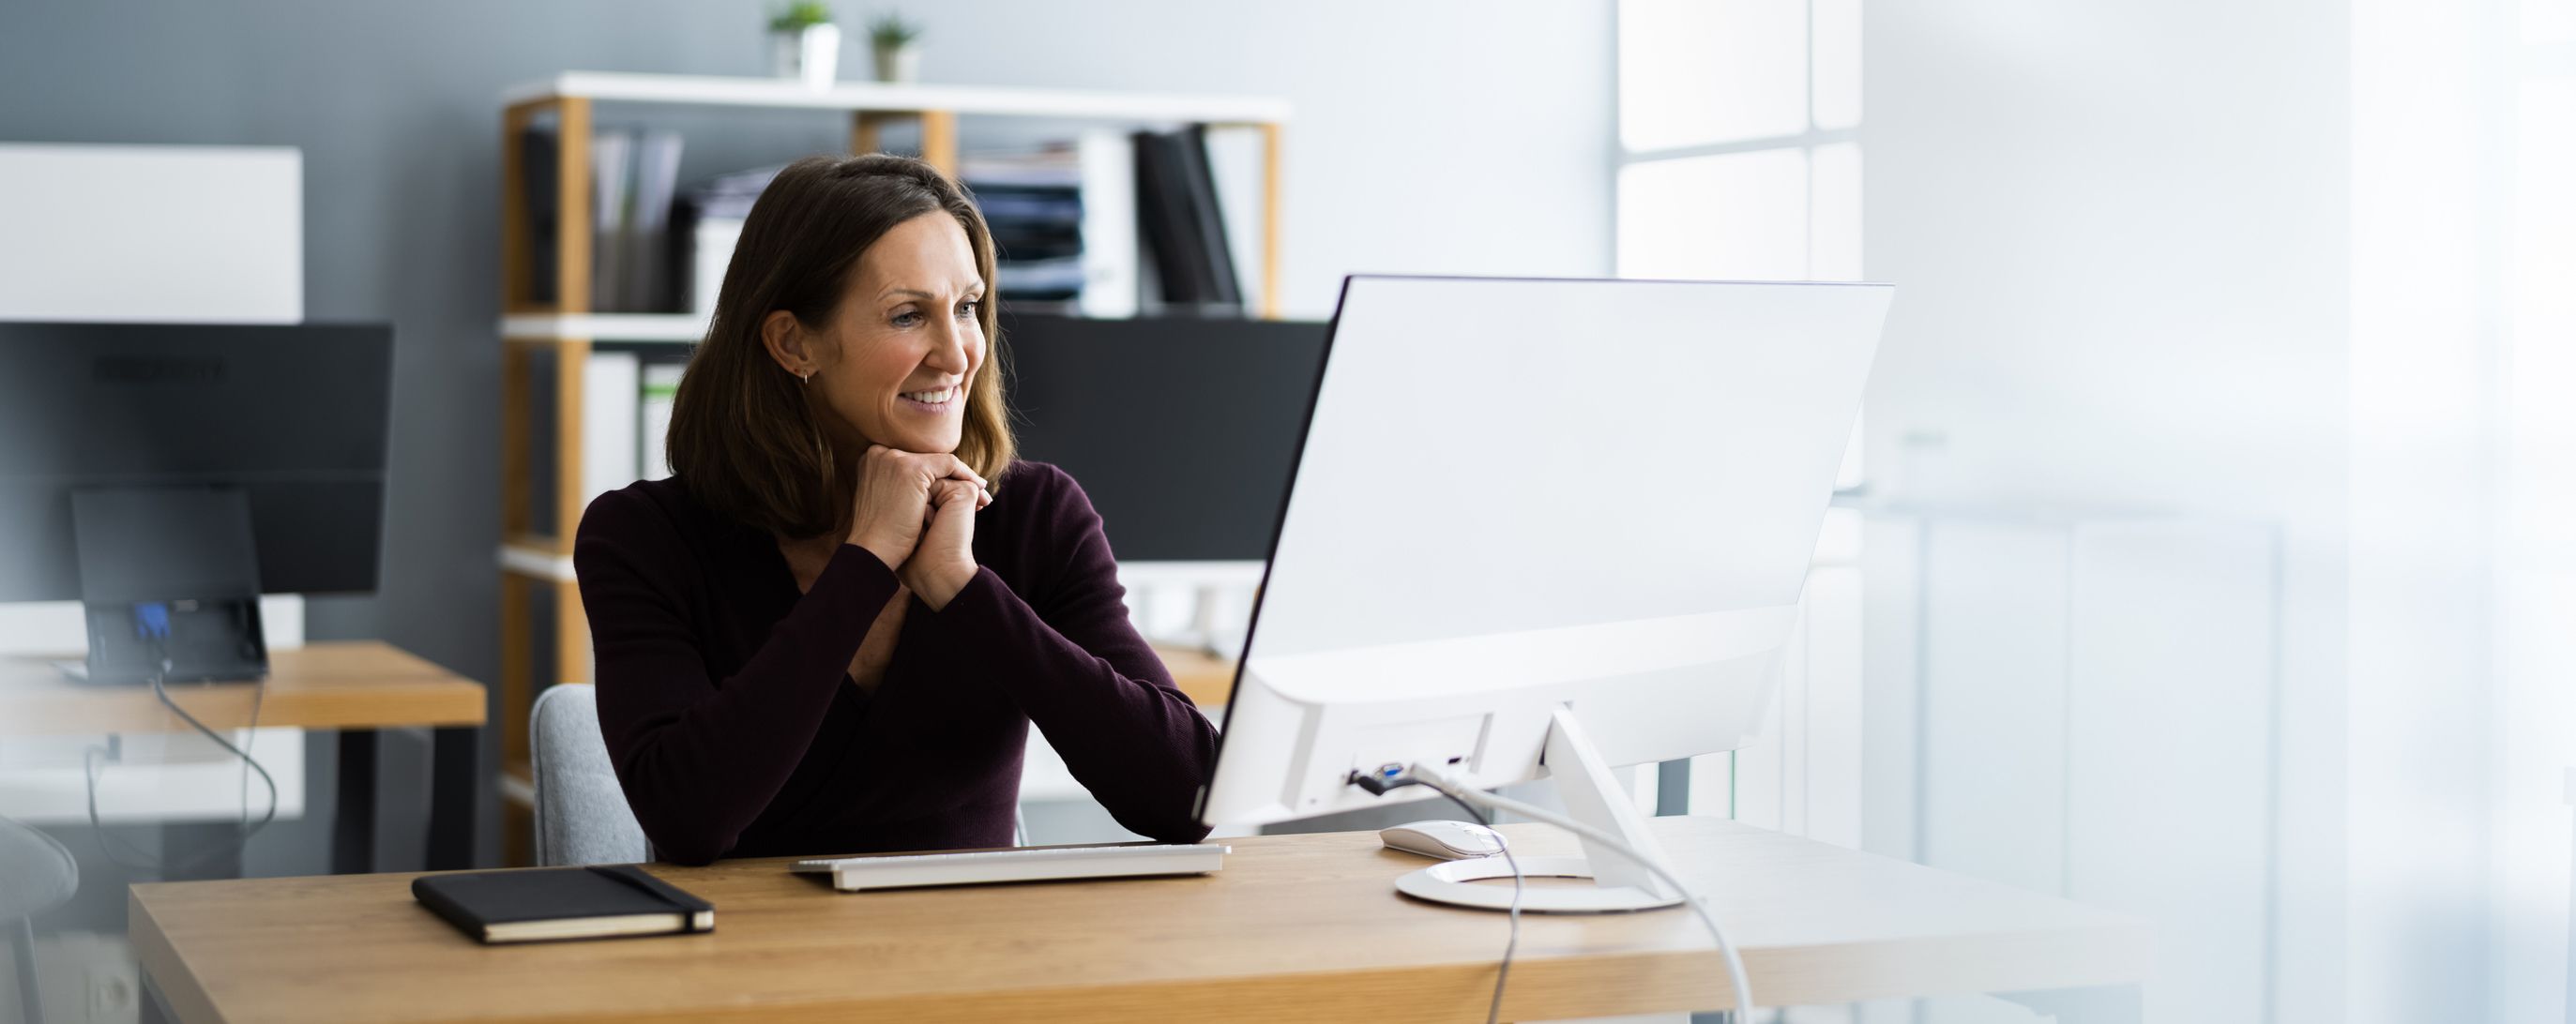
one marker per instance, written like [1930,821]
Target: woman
[829,631]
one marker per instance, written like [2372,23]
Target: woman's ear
[788,343]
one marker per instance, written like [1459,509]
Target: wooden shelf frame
[548,328]
[885,97]
[536,557]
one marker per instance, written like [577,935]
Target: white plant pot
[899,64]
[811,55]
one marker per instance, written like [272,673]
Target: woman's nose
[950,352]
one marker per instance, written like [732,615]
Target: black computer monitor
[293,416]
[1182,430]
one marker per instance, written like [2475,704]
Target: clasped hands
[916,512]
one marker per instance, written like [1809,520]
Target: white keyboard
[1034,864]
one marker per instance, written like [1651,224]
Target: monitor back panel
[294,415]
[1181,430]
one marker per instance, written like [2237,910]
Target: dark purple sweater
[726,701]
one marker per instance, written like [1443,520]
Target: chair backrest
[581,815]
[36,873]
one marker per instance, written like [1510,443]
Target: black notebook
[593,902]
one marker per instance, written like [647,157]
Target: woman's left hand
[944,560]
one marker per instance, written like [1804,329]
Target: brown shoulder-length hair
[744,437]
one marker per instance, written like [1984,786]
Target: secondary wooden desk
[1297,927]
[1206,678]
[355,687]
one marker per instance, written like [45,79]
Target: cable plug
[152,620]
[1388,776]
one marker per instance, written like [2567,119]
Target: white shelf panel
[684,328]
[710,90]
[544,565]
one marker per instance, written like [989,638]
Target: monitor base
[1454,883]
[1592,796]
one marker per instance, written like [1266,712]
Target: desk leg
[198,850]
[353,812]
[153,1007]
[2102,1004]
[22,955]
[455,760]
[1672,788]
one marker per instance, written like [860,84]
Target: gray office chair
[36,875]
[581,814]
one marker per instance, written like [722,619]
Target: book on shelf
[1183,224]
[626,395]
[1238,167]
[1167,276]
[1095,223]
[717,209]
[611,384]
[1063,217]
[661,383]
[1206,217]
[1111,268]
[711,242]
[612,167]
[538,161]
[648,285]
[634,174]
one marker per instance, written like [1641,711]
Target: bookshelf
[536,556]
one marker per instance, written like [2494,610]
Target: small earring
[806,377]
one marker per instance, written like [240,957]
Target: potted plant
[806,45]
[896,44]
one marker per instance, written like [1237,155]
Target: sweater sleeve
[1070,658]
[700,758]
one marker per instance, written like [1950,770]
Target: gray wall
[1430,137]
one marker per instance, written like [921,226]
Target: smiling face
[896,362]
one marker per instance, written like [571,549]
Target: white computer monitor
[1527,504]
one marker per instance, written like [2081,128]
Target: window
[1736,139]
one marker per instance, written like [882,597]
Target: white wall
[2535,709]
[2306,262]
[2117,232]
[2425,269]
[1429,137]
[202,234]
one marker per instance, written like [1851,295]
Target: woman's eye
[968,307]
[906,318]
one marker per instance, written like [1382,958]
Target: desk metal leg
[153,1007]
[455,760]
[2101,1004]
[22,953]
[1672,788]
[198,850]
[353,813]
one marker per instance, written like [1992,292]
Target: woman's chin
[918,442]
[923,445]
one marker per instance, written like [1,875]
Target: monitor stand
[1592,796]
[169,584]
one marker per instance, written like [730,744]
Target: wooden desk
[1206,678]
[1301,927]
[355,687]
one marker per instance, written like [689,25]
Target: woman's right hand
[893,498]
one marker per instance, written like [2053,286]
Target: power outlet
[84,978]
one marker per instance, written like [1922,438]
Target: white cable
[1434,778]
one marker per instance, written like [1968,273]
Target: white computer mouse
[1447,840]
